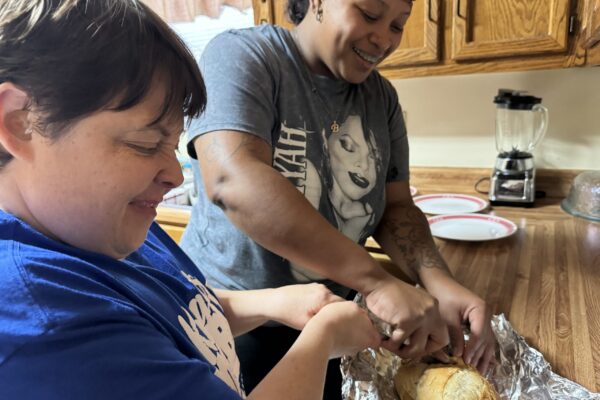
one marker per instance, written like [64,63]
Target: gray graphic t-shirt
[337,143]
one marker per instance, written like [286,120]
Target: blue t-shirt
[80,325]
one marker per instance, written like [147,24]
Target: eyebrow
[156,126]
[160,128]
[385,4]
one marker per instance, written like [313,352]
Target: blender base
[512,203]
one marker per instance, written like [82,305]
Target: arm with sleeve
[79,325]
[233,140]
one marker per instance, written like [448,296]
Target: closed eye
[368,16]
[347,144]
[145,149]
[396,29]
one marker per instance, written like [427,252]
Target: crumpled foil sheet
[521,372]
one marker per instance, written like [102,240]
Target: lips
[146,202]
[373,59]
[359,180]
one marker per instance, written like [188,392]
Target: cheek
[343,160]
[372,170]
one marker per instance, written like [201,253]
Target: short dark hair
[296,10]
[76,57]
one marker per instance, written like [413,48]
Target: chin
[356,79]
[130,244]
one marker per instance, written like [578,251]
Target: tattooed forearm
[409,231]
[223,157]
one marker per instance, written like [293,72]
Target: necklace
[335,126]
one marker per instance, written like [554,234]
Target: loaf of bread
[422,381]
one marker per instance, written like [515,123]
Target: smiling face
[355,35]
[352,159]
[98,185]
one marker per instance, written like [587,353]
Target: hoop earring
[319,15]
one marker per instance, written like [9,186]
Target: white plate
[449,203]
[471,227]
[413,191]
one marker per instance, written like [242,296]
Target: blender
[521,122]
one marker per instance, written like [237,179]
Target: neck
[13,202]
[303,39]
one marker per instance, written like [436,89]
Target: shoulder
[381,86]
[160,251]
[21,317]
[264,41]
[41,287]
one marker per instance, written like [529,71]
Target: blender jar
[521,122]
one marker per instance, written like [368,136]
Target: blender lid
[515,100]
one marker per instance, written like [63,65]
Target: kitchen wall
[450,119]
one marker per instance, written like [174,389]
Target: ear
[14,135]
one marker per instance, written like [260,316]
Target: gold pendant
[335,128]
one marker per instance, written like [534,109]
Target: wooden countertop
[545,278]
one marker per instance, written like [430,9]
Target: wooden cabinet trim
[263,11]
[591,24]
[429,53]
[465,48]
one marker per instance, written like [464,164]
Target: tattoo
[218,152]
[410,232]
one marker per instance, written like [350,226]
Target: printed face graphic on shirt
[352,159]
[336,174]
[206,326]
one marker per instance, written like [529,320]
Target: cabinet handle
[429,11]
[458,10]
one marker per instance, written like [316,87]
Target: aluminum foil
[521,372]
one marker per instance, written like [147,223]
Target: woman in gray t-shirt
[303,155]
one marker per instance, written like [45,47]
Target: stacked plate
[455,217]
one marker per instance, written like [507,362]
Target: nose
[170,175]
[381,37]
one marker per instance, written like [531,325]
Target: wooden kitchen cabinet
[466,36]
[591,36]
[173,219]
[506,28]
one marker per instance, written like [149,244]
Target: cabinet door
[508,28]
[592,24]
[263,11]
[591,36]
[420,39]
[280,14]
[272,12]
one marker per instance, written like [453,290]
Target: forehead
[155,109]
[402,6]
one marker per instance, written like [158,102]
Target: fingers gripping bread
[442,382]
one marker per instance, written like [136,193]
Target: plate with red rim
[449,203]
[471,227]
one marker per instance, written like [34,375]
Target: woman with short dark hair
[96,301]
